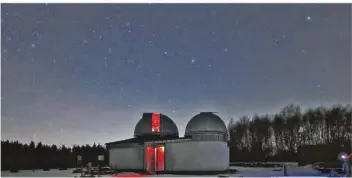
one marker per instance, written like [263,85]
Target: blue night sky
[85,73]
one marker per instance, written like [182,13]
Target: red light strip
[155,122]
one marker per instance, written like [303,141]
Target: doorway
[154,158]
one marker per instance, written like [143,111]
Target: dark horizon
[88,74]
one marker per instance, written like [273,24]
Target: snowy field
[40,173]
[292,170]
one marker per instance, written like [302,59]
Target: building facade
[157,147]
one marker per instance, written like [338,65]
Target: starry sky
[85,73]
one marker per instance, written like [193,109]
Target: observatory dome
[155,124]
[206,123]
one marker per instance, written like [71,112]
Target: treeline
[259,138]
[15,155]
[277,137]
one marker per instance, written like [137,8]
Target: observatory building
[156,146]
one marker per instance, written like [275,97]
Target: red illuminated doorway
[154,158]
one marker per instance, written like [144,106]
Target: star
[165,52]
[193,61]
[225,50]
[32,45]
[209,65]
[308,18]
[36,33]
[110,50]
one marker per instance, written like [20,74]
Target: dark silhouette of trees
[15,155]
[277,137]
[260,138]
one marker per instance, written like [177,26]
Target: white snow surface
[243,171]
[40,173]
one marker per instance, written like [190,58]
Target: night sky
[79,73]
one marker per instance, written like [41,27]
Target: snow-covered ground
[292,170]
[40,173]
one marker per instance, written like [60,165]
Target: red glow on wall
[154,158]
[149,156]
[155,122]
[160,157]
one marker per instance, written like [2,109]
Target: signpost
[79,161]
[89,168]
[100,159]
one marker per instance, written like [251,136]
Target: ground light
[344,158]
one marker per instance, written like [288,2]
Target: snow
[40,173]
[292,170]
[256,172]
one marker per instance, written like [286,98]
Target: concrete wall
[126,158]
[197,156]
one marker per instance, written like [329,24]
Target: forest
[15,155]
[273,137]
[277,137]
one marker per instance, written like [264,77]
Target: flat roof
[142,140]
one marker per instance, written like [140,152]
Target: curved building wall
[197,156]
[209,137]
[126,158]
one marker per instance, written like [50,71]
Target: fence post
[285,170]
